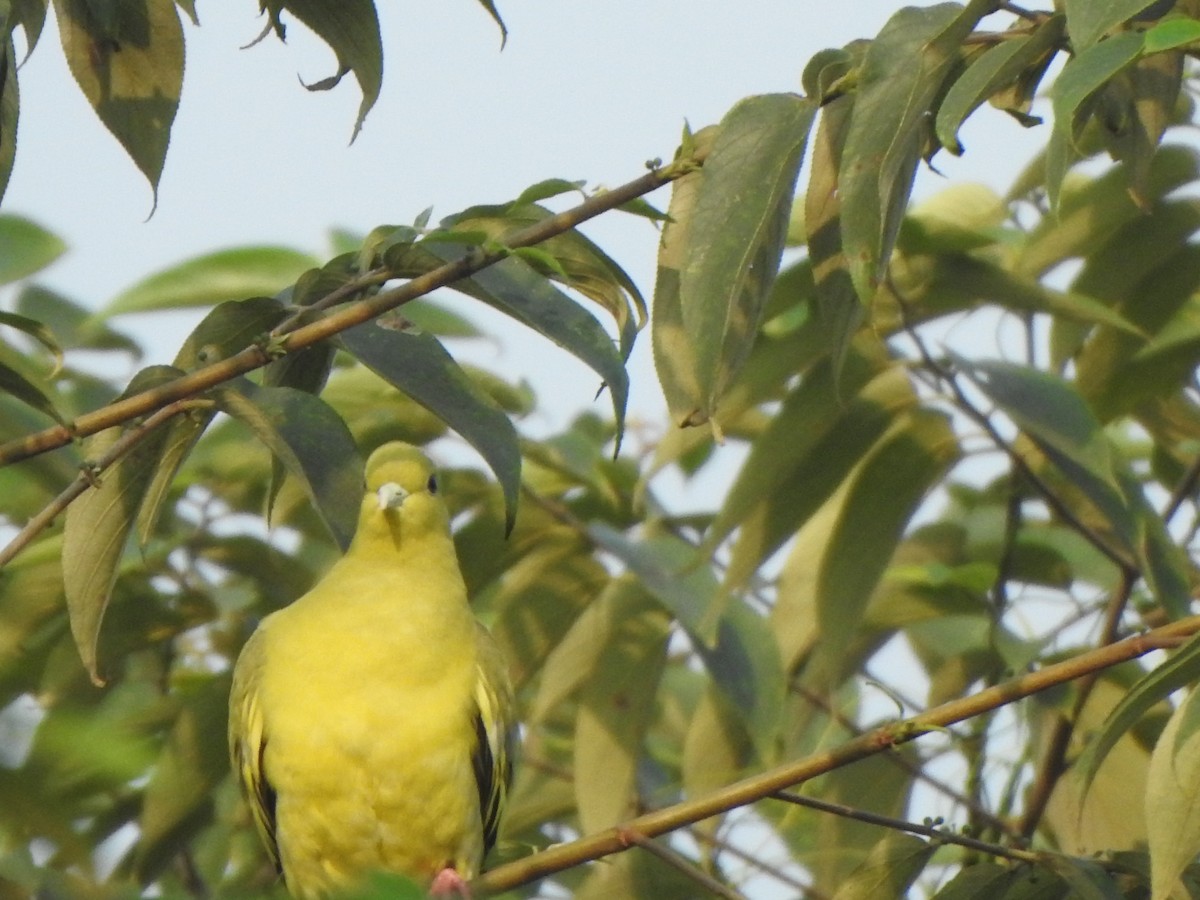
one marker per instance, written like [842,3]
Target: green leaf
[38,331]
[30,16]
[419,366]
[672,572]
[901,76]
[28,392]
[1171,33]
[25,246]
[351,29]
[544,190]
[212,278]
[73,326]
[313,443]
[745,666]
[128,61]
[1086,879]
[99,521]
[736,234]
[1088,71]
[674,357]
[836,300]
[516,289]
[495,14]
[980,881]
[589,269]
[1172,798]
[1089,20]
[178,799]
[1179,671]
[998,67]
[617,702]
[10,102]
[889,871]
[229,328]
[1053,414]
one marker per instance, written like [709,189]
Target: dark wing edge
[495,735]
[247,747]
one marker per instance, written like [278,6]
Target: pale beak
[391,495]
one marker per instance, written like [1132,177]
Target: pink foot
[448,883]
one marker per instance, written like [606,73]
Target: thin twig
[756,787]
[938,834]
[87,477]
[261,353]
[749,859]
[977,812]
[963,402]
[681,864]
[1054,760]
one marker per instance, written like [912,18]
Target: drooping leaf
[99,521]
[1180,670]
[674,357]
[998,67]
[1172,803]
[25,246]
[72,325]
[212,278]
[736,233]
[419,366]
[669,570]
[28,391]
[588,269]
[837,303]
[490,6]
[129,64]
[1056,418]
[900,77]
[310,439]
[10,103]
[36,330]
[516,289]
[351,29]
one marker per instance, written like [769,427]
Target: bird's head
[402,493]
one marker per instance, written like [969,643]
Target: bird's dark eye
[432,485]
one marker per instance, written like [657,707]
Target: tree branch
[756,787]
[126,442]
[301,336]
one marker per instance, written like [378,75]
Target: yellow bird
[370,720]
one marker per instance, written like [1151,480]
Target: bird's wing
[248,742]
[494,721]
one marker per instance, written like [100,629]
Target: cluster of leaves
[991,515]
[127,58]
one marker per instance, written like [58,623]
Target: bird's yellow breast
[367,689]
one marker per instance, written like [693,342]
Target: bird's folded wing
[494,730]
[248,742]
